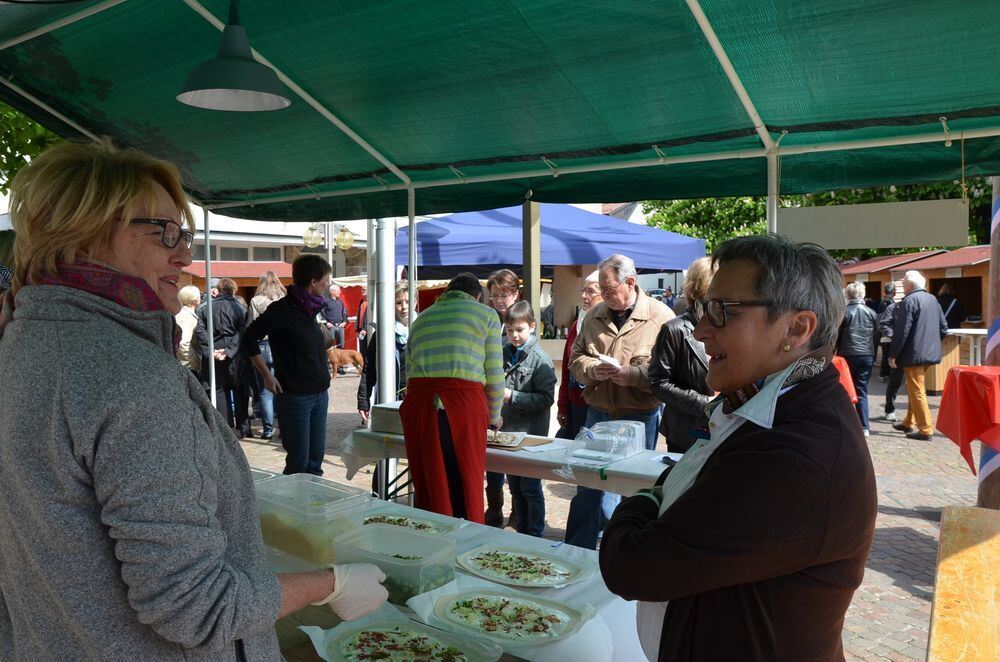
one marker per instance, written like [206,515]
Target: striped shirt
[458,338]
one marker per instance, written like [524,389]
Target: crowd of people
[908,333]
[124,484]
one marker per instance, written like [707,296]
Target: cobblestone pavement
[889,617]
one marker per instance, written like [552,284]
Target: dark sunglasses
[171,233]
[715,309]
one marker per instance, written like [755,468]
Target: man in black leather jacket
[856,343]
[679,364]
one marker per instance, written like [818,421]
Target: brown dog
[344,357]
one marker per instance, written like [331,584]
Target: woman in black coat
[678,366]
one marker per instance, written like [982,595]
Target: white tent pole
[209,314]
[385,230]
[371,271]
[47,108]
[411,262]
[308,98]
[730,71]
[772,192]
[521,174]
[328,238]
[756,153]
[61,23]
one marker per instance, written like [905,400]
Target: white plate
[570,619]
[475,651]
[515,438]
[574,571]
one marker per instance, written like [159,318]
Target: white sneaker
[891,417]
[867,433]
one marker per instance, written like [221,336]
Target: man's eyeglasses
[590,293]
[715,309]
[610,289]
[171,233]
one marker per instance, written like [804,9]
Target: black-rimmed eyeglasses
[171,232]
[715,309]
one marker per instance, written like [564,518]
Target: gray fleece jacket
[127,505]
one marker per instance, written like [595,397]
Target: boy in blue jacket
[528,397]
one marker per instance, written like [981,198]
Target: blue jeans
[590,509]
[264,399]
[529,502]
[302,417]
[861,372]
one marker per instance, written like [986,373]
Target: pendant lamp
[344,239]
[233,80]
[313,236]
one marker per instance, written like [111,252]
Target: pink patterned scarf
[128,291]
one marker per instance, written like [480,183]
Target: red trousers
[468,416]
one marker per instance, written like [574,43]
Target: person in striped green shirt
[454,391]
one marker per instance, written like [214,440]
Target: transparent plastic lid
[262,474]
[311,496]
[397,546]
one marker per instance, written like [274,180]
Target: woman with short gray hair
[752,545]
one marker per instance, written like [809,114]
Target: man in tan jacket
[624,327]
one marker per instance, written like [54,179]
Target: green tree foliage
[21,138]
[711,219]
[718,219]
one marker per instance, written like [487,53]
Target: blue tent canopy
[569,236]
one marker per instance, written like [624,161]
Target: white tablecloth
[627,476]
[614,613]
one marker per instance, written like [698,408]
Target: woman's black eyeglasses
[715,309]
[171,233]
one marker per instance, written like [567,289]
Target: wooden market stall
[877,271]
[967,269]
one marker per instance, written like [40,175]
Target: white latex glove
[357,590]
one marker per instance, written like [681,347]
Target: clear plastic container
[260,475]
[413,563]
[404,517]
[301,514]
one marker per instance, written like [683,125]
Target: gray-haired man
[624,326]
[918,327]
[335,314]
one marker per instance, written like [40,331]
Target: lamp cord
[965,189]
[234,12]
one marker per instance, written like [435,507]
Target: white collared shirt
[759,410]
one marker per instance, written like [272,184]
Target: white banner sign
[879,225]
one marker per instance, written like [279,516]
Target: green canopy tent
[402,107]
[474,104]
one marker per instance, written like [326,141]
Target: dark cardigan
[297,347]
[759,559]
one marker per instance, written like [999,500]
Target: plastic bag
[605,443]
[611,441]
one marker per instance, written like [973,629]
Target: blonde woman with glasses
[129,530]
